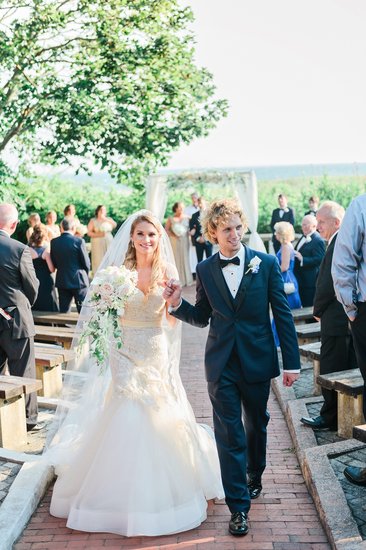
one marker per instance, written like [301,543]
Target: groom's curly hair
[217,214]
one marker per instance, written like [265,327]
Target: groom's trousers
[240,422]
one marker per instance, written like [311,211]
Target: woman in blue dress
[285,234]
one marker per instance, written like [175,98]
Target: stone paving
[355,495]
[8,472]
[282,518]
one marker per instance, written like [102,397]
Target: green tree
[112,82]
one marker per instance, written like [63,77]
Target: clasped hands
[172,292]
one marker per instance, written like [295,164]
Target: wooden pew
[49,361]
[55,318]
[59,335]
[13,427]
[302,314]
[307,333]
[312,351]
[349,386]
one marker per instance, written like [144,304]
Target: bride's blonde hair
[158,266]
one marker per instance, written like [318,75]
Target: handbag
[289,286]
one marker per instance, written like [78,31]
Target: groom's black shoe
[238,525]
[254,485]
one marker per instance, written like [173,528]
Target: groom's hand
[289,378]
[173,292]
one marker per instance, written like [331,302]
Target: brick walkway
[283,517]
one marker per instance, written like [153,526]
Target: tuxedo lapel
[220,282]
[245,282]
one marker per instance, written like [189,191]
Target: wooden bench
[302,314]
[307,333]
[312,352]
[359,432]
[49,361]
[349,386]
[13,427]
[59,335]
[55,318]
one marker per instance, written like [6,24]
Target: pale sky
[294,74]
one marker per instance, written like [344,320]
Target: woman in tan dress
[100,232]
[177,227]
[53,229]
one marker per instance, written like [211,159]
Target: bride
[129,455]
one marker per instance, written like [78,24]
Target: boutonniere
[253,266]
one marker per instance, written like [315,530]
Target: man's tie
[224,263]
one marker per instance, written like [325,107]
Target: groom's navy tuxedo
[240,360]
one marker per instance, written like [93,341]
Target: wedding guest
[70,211]
[33,220]
[18,291]
[53,228]
[235,288]
[336,351]
[309,252]
[313,205]
[282,214]
[70,258]
[177,227]
[285,234]
[136,463]
[195,230]
[43,266]
[189,211]
[349,276]
[100,232]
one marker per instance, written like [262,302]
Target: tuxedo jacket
[313,254]
[287,217]
[334,321]
[71,260]
[245,321]
[18,287]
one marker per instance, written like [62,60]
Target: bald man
[18,292]
[309,253]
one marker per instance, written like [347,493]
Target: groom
[234,290]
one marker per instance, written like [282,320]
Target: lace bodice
[144,311]
[140,368]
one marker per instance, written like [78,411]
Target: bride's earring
[133,246]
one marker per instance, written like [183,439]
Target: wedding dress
[145,467]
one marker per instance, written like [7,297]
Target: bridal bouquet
[109,291]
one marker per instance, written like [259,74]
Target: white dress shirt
[233,273]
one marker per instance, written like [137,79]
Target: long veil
[85,387]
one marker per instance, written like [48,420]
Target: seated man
[309,253]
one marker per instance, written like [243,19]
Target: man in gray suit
[18,292]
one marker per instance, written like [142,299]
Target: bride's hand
[172,292]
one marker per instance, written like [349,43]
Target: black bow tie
[224,263]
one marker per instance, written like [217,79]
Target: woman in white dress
[100,232]
[129,455]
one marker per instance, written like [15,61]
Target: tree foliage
[111,82]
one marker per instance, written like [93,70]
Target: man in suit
[195,230]
[234,290]
[336,352]
[18,292]
[309,252]
[349,276]
[282,214]
[313,205]
[71,260]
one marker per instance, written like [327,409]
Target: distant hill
[292,171]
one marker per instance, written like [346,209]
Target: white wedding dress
[146,467]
